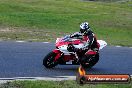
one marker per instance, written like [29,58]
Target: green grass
[44,20]
[59,84]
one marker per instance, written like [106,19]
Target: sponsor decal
[83,78]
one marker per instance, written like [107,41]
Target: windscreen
[66,38]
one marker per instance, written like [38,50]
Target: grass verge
[44,20]
[59,84]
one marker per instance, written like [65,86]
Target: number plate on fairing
[70,63]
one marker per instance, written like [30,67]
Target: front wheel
[89,61]
[48,60]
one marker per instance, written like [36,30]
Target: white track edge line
[118,46]
[45,42]
[20,41]
[49,42]
[5,80]
[43,78]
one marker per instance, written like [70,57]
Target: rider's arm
[89,42]
[76,34]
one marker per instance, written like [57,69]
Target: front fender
[58,54]
[90,52]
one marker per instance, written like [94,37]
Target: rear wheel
[89,61]
[48,60]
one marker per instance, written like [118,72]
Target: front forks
[77,58]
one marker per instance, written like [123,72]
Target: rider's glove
[71,48]
[76,34]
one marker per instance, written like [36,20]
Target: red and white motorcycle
[62,56]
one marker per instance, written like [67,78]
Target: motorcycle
[62,56]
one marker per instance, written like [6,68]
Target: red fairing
[78,41]
[61,43]
[90,53]
[67,57]
[85,38]
[56,51]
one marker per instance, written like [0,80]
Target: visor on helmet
[82,30]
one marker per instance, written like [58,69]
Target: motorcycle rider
[87,36]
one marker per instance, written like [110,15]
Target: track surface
[25,60]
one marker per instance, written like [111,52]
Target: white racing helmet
[84,27]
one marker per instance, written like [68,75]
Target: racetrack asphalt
[24,59]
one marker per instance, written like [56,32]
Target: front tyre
[48,60]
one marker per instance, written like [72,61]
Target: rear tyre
[89,61]
[48,60]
